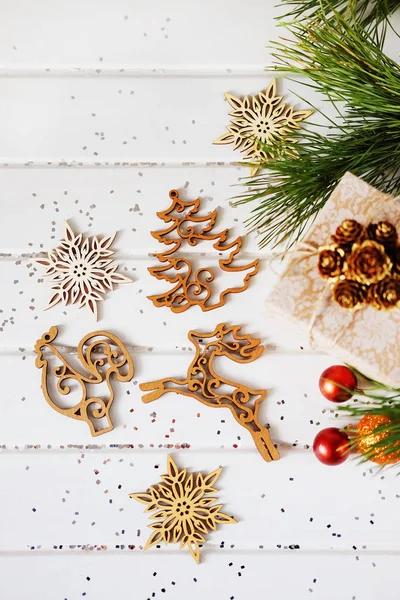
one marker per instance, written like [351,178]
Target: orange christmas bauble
[365,444]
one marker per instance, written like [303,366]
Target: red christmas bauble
[331,446]
[331,381]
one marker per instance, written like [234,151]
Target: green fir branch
[366,12]
[344,63]
[390,442]
[374,398]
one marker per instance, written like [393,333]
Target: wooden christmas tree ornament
[211,389]
[261,118]
[192,288]
[81,270]
[185,510]
[104,357]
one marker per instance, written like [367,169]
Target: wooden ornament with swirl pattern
[104,358]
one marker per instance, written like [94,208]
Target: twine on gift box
[305,250]
[316,314]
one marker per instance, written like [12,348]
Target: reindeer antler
[244,348]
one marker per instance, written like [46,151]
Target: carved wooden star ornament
[81,270]
[185,512]
[261,118]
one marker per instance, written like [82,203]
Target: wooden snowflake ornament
[103,358]
[185,511]
[81,270]
[260,118]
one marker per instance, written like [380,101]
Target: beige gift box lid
[367,339]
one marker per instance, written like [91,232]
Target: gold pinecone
[396,262]
[385,294]
[330,261]
[349,294]
[349,232]
[384,233]
[368,262]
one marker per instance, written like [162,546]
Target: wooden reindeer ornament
[192,287]
[104,357]
[211,389]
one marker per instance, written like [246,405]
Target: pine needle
[343,62]
[373,398]
[388,407]
[366,12]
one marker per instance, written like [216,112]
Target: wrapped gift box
[367,339]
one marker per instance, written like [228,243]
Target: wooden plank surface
[105,108]
[121,575]
[131,32]
[111,121]
[89,501]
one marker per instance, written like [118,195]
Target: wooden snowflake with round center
[81,270]
[261,118]
[185,512]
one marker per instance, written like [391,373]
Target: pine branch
[389,407]
[366,12]
[292,191]
[366,85]
[374,398]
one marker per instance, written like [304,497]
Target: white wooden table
[106,106]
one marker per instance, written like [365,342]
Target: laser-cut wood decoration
[261,118]
[81,270]
[184,508]
[104,357]
[193,288]
[211,389]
